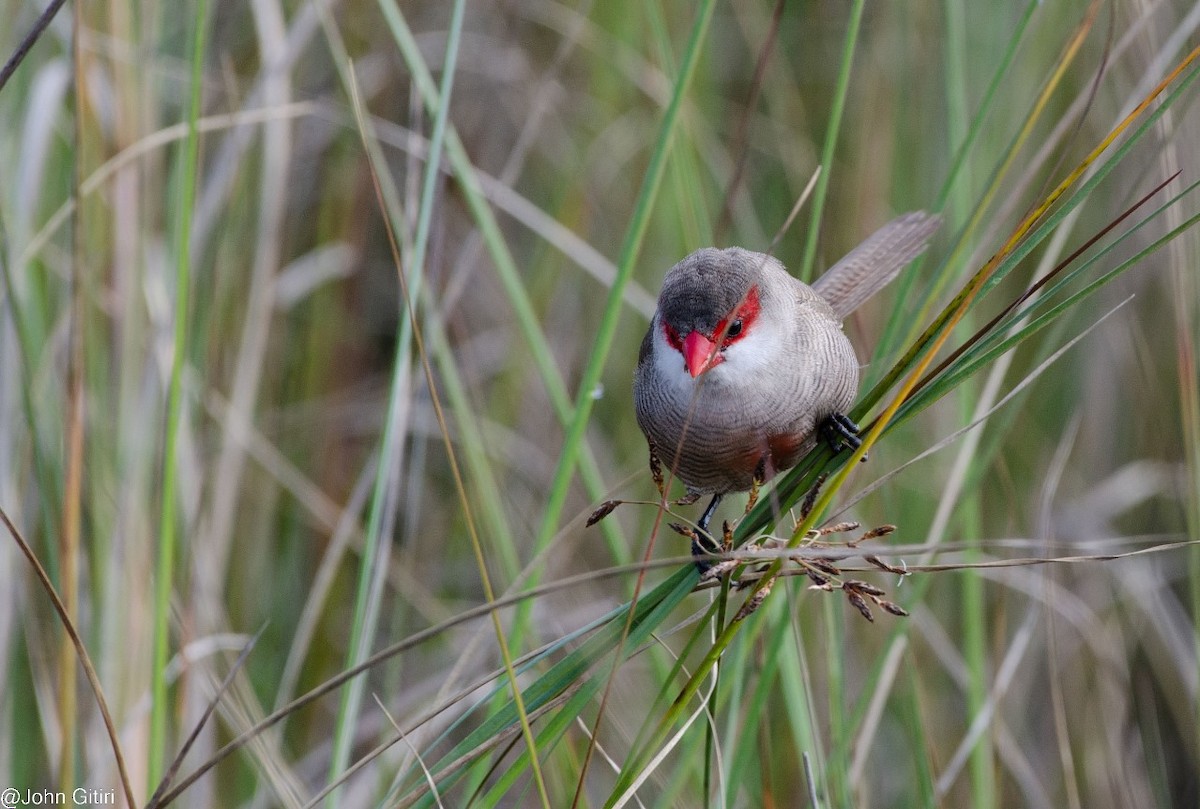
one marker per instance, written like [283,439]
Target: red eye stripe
[673,338]
[747,313]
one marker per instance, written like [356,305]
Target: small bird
[744,365]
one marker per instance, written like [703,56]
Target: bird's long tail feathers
[872,265]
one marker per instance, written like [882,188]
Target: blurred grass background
[177,527]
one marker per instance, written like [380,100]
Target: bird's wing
[869,267]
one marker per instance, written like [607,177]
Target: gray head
[711,300]
[702,291]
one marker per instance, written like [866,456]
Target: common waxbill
[744,365]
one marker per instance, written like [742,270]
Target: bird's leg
[713,571]
[840,432]
[718,570]
[703,538]
[706,517]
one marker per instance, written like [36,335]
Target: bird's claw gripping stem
[840,432]
[704,544]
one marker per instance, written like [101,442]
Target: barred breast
[754,415]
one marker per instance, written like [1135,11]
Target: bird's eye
[734,329]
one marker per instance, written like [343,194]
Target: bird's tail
[872,265]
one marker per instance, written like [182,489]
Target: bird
[744,366]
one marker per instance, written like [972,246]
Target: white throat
[759,352]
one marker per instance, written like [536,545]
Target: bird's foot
[840,432]
[716,570]
[703,550]
[709,570]
[703,544]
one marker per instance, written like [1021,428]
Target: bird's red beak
[699,353]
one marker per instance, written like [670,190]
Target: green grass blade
[651,609]
[607,328]
[510,276]
[366,612]
[188,164]
[833,128]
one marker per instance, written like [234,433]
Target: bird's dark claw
[703,547]
[840,432]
